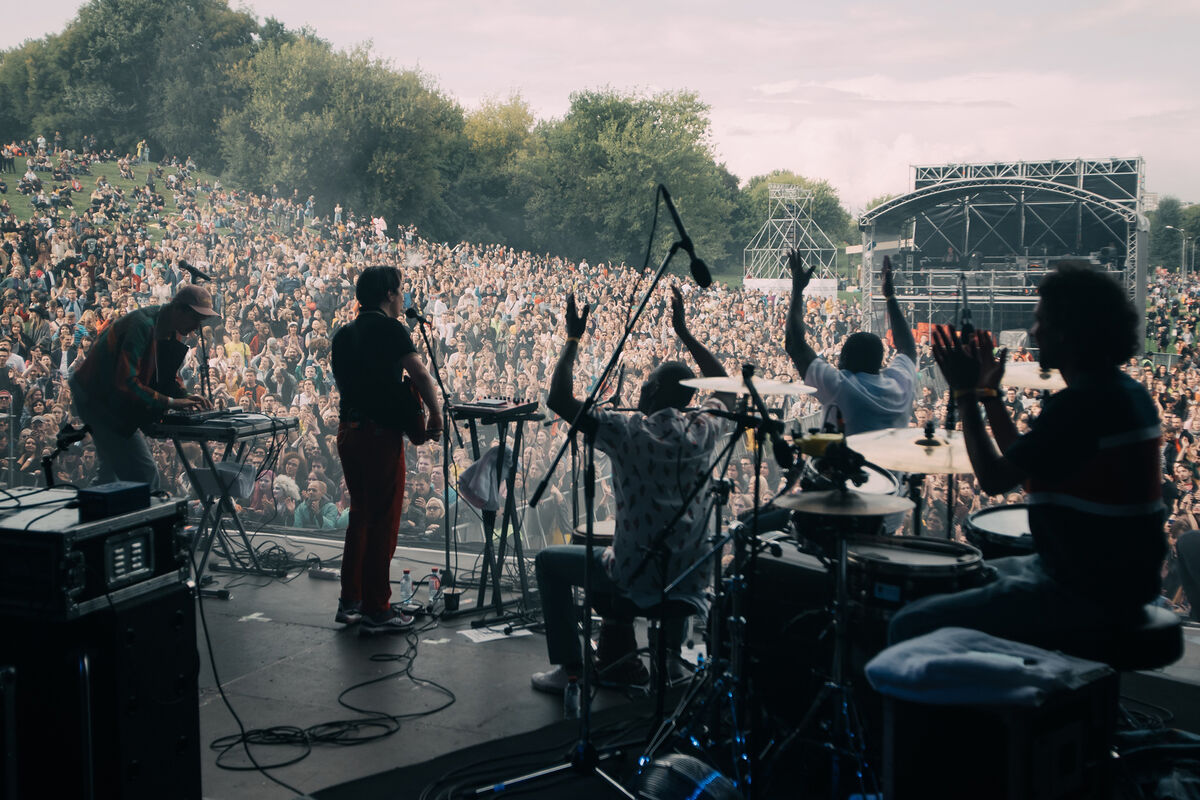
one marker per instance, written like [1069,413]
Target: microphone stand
[584,757]
[448,574]
[205,382]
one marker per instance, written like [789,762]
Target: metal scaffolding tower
[789,226]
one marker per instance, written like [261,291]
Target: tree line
[264,105]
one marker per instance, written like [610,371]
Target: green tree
[592,176]
[489,195]
[1164,243]
[196,78]
[345,127]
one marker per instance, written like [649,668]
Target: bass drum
[785,618]
[1000,531]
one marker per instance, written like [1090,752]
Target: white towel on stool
[958,666]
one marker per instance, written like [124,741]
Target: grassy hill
[23,208]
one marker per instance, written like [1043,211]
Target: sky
[853,93]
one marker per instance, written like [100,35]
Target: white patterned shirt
[656,461]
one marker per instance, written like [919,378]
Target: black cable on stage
[212,661]
[374,725]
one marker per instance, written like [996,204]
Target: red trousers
[373,463]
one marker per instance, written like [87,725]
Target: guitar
[413,416]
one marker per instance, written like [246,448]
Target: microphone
[69,435]
[196,274]
[700,273]
[413,314]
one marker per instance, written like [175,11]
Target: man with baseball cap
[129,379]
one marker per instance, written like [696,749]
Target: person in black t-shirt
[370,357]
[1090,463]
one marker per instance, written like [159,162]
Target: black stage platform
[284,662]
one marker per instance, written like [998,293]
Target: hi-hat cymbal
[1030,375]
[734,385]
[907,450]
[844,504]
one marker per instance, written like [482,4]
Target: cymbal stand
[916,493]
[950,426]
[725,678]
[845,739]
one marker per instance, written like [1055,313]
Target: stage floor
[283,661]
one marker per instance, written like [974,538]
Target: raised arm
[710,367]
[901,334]
[959,364]
[561,399]
[991,372]
[795,341]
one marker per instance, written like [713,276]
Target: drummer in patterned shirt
[1090,464]
[658,454]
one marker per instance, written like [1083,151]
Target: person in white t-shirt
[867,396]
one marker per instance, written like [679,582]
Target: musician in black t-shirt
[1090,463]
[370,358]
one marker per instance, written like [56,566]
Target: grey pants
[1023,604]
[124,458]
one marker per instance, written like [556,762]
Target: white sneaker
[392,622]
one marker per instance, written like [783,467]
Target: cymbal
[1030,375]
[844,504]
[733,385]
[906,450]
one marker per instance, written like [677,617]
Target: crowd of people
[282,272]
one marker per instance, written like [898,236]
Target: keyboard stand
[494,555]
[218,511]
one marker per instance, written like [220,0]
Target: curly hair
[288,486]
[1091,312]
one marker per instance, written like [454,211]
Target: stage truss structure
[789,226]
[1004,225]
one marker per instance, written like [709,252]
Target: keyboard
[226,427]
[199,416]
[494,409]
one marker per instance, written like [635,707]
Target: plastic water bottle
[406,587]
[571,699]
[435,586]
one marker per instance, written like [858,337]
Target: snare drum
[602,533]
[885,574]
[1000,531]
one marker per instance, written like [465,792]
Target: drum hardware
[697,719]
[919,452]
[844,738]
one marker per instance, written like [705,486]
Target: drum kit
[838,579]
